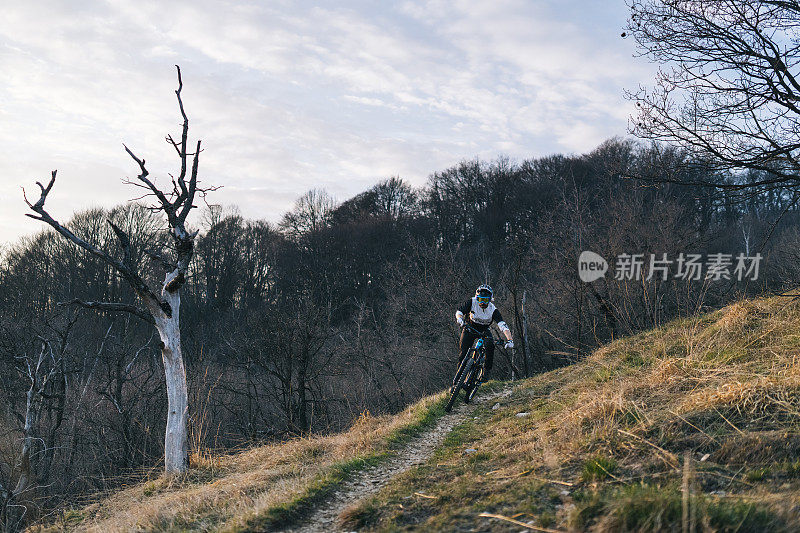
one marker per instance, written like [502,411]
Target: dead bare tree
[160,307]
[43,372]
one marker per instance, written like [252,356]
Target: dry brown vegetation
[607,444]
[697,422]
[252,489]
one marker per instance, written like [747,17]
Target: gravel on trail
[325,515]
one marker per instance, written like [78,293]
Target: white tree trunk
[176,442]
[16,503]
[24,464]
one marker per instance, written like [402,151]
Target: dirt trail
[324,517]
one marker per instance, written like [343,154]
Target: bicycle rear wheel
[461,379]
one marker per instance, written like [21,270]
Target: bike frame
[471,366]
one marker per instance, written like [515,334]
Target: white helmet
[484,291]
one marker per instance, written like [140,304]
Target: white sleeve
[503,326]
[459,316]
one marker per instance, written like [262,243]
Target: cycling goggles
[484,299]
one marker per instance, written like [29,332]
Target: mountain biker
[479,312]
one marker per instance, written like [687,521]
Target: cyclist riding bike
[479,313]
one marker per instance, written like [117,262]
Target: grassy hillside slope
[260,489]
[695,423]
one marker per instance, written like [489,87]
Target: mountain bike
[471,369]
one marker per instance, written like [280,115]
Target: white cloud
[288,98]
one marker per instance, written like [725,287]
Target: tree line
[299,326]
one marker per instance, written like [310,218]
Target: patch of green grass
[726,355]
[327,482]
[604,374]
[758,474]
[647,507]
[73,517]
[792,468]
[479,457]
[644,507]
[589,505]
[676,350]
[150,488]
[740,516]
[531,496]
[547,519]
[321,487]
[633,359]
[426,419]
[458,438]
[598,468]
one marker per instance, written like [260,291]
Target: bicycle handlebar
[497,342]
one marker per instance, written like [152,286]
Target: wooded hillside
[345,307]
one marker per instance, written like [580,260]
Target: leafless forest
[345,307]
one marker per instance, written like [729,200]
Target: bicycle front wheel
[471,383]
[461,379]
[476,383]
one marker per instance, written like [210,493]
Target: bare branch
[184,136]
[112,307]
[125,243]
[187,206]
[730,96]
[45,192]
[124,269]
[166,205]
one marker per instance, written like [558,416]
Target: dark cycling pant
[465,343]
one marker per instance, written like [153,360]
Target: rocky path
[325,516]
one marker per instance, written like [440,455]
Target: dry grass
[724,387]
[601,446]
[232,492]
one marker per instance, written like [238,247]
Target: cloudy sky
[289,96]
